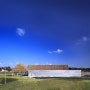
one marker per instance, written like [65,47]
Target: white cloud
[20,31]
[57,51]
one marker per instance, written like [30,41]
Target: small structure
[4,70]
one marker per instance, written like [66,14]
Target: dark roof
[47,67]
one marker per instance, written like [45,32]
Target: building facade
[52,71]
[48,67]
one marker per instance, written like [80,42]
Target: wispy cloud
[7,64]
[12,64]
[1,64]
[20,31]
[81,45]
[57,51]
[82,40]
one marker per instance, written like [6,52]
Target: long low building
[48,67]
[52,71]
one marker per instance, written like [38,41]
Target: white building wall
[54,73]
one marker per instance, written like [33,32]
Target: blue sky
[45,32]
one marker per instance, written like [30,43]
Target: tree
[20,68]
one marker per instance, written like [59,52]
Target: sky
[45,32]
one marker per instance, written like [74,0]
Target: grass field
[21,83]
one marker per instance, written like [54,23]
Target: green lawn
[20,83]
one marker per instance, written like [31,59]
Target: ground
[25,83]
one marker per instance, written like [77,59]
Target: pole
[5,75]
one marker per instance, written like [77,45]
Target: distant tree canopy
[8,68]
[83,69]
[20,68]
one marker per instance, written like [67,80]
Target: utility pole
[5,74]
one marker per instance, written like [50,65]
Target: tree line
[81,68]
[8,68]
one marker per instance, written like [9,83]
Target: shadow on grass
[55,89]
[64,78]
[8,80]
